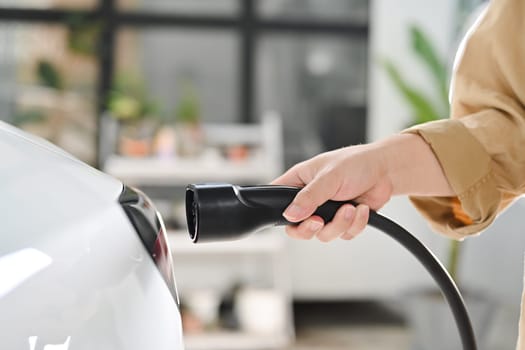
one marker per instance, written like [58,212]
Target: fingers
[341,222]
[314,194]
[319,186]
[359,223]
[348,222]
[306,229]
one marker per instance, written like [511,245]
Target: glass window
[47,4]
[213,7]
[318,85]
[47,86]
[171,65]
[338,10]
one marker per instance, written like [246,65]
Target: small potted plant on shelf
[82,35]
[188,117]
[135,111]
[38,110]
[428,313]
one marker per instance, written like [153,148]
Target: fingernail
[349,212]
[315,226]
[293,212]
[363,209]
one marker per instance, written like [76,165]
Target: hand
[357,172]
[369,174]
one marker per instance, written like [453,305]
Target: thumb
[314,194]
[289,178]
[292,177]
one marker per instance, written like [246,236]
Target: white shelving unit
[271,245]
[178,172]
[234,341]
[263,165]
[267,243]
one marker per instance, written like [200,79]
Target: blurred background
[161,93]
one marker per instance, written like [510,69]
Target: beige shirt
[482,147]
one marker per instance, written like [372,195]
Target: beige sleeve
[482,147]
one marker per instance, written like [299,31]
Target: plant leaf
[30,116]
[424,49]
[422,108]
[48,75]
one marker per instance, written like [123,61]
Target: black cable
[218,212]
[436,269]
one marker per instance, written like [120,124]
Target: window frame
[246,24]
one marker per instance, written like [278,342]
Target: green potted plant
[44,119]
[422,108]
[429,315]
[82,35]
[136,113]
[188,120]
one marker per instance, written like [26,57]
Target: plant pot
[433,325]
[190,138]
[135,138]
[165,142]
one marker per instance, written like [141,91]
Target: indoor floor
[377,326]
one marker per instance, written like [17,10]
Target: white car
[84,262]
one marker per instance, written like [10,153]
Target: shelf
[267,242]
[263,165]
[157,171]
[235,341]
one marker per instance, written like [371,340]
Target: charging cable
[217,212]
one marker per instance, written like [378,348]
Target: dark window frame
[246,23]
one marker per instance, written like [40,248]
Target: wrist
[412,167]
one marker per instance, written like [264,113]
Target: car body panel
[73,271]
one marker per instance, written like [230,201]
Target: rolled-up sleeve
[482,147]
